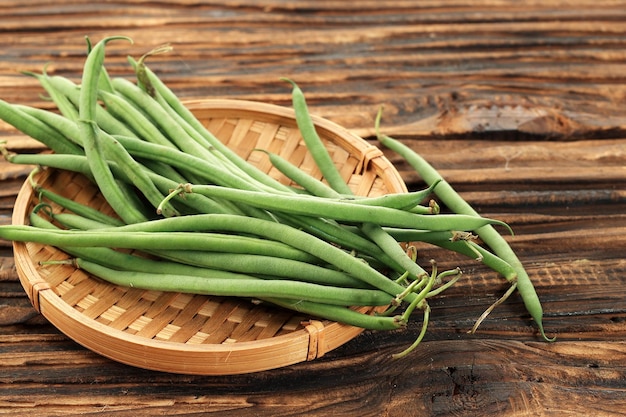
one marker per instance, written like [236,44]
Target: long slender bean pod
[400,201]
[342,211]
[89,133]
[210,242]
[341,314]
[75,207]
[312,140]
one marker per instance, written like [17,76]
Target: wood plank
[521,107]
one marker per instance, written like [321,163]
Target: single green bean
[341,314]
[75,207]
[342,211]
[313,142]
[400,201]
[298,176]
[390,246]
[89,132]
[209,242]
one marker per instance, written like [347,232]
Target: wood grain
[521,107]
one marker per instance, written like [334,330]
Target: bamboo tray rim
[315,338]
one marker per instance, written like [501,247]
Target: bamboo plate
[194,334]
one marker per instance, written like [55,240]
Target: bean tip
[290,81]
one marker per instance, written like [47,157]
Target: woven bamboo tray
[194,334]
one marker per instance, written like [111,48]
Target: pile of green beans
[214,224]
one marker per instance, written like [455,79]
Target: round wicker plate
[193,334]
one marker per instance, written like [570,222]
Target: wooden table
[521,107]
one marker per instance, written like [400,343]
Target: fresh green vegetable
[212,223]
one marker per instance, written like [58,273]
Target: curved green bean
[89,131]
[313,142]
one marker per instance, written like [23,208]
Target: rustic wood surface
[521,106]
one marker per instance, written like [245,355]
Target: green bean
[66,127]
[298,176]
[223,283]
[37,130]
[210,242]
[89,133]
[104,82]
[74,206]
[487,233]
[342,211]
[341,314]
[74,163]
[390,246]
[401,201]
[143,80]
[63,103]
[313,142]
